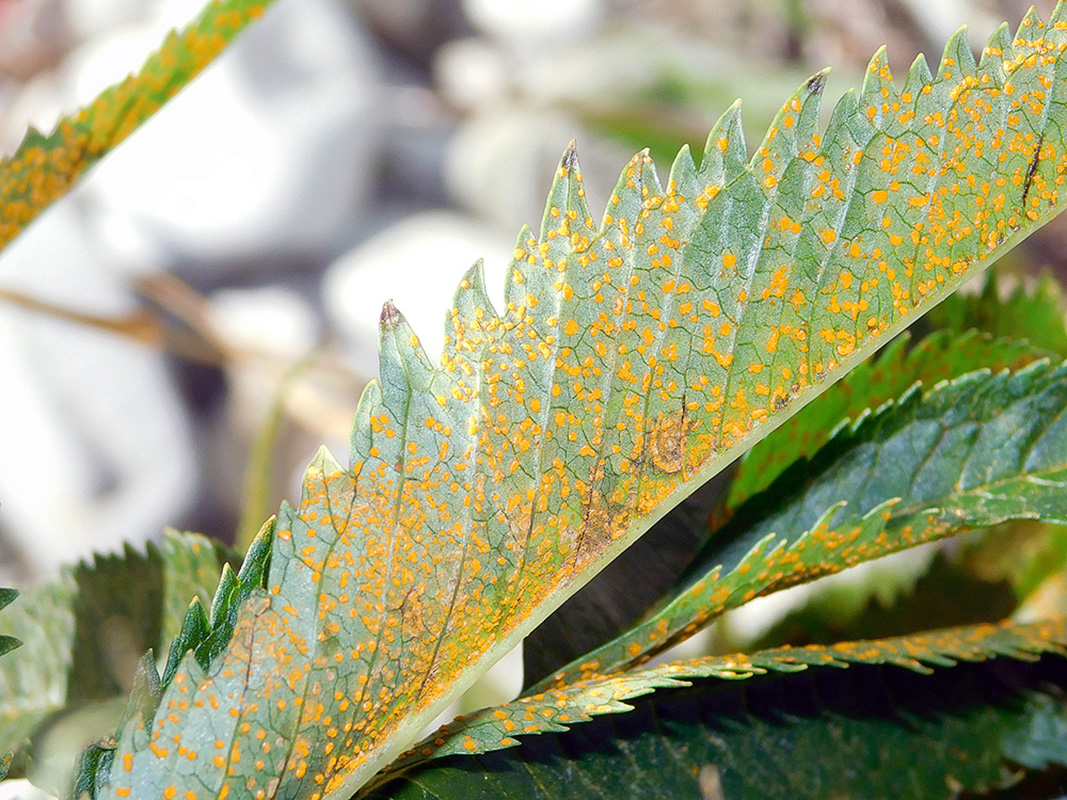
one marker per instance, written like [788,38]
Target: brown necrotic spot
[667,438]
[1034,161]
[602,523]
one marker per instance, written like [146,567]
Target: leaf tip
[390,318]
[570,156]
[817,82]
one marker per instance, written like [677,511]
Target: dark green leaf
[8,643]
[1017,556]
[864,732]
[946,594]
[85,633]
[940,356]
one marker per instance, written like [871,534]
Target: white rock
[500,164]
[276,327]
[417,263]
[269,318]
[545,20]
[89,18]
[471,73]
[22,790]
[265,151]
[97,448]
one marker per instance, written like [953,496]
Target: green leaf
[632,361]
[1022,556]
[559,709]
[616,599]
[991,573]
[622,593]
[945,594]
[33,679]
[940,356]
[44,168]
[975,451]
[1019,554]
[8,643]
[94,762]
[867,733]
[1035,314]
[126,604]
[84,633]
[202,635]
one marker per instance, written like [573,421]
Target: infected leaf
[44,168]
[972,452]
[486,490]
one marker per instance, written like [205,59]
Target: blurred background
[180,333]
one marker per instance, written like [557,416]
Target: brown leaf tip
[390,318]
[816,83]
[570,157]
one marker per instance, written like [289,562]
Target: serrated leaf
[632,362]
[201,634]
[557,710]
[975,451]
[620,595]
[7,597]
[945,594]
[8,643]
[1018,554]
[33,685]
[866,733]
[95,761]
[940,356]
[599,612]
[1035,314]
[44,168]
[121,605]
[78,630]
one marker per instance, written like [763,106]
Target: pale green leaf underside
[632,361]
[558,709]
